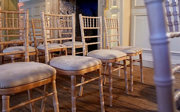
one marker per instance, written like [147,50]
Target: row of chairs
[57,29]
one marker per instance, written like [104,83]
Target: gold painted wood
[38,35]
[15,24]
[21,23]
[95,23]
[9,91]
[113,40]
[49,27]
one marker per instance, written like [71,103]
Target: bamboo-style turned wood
[162,65]
[95,23]
[12,23]
[37,31]
[85,24]
[48,27]
[14,31]
[57,29]
[172,13]
[113,40]
[19,23]
[9,91]
[172,9]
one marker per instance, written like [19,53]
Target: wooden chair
[107,56]
[23,76]
[113,42]
[71,65]
[37,34]
[163,18]
[171,9]
[12,38]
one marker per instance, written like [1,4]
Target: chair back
[36,29]
[172,9]
[14,30]
[112,33]
[57,29]
[88,23]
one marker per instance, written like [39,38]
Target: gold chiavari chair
[11,36]
[37,34]
[23,76]
[70,65]
[113,42]
[107,56]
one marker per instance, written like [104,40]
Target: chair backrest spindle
[112,32]
[14,24]
[58,28]
[172,12]
[88,23]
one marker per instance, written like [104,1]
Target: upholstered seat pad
[77,43]
[74,63]
[20,73]
[106,54]
[17,48]
[51,46]
[128,49]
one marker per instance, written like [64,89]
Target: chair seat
[128,49]
[17,48]
[21,73]
[77,43]
[51,46]
[106,54]
[74,63]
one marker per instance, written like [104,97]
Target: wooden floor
[143,99]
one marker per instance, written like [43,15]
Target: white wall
[35,7]
[140,34]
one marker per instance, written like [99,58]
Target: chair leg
[104,72]
[73,93]
[31,104]
[81,87]
[131,72]
[43,100]
[110,84]
[2,59]
[125,75]
[37,57]
[55,98]
[50,56]
[12,59]
[104,80]
[119,71]
[101,91]
[5,103]
[66,52]
[141,68]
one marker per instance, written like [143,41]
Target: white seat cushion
[17,48]
[128,49]
[20,73]
[51,46]
[77,43]
[106,54]
[74,62]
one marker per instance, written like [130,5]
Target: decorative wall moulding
[24,0]
[138,4]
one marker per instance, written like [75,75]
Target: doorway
[86,8]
